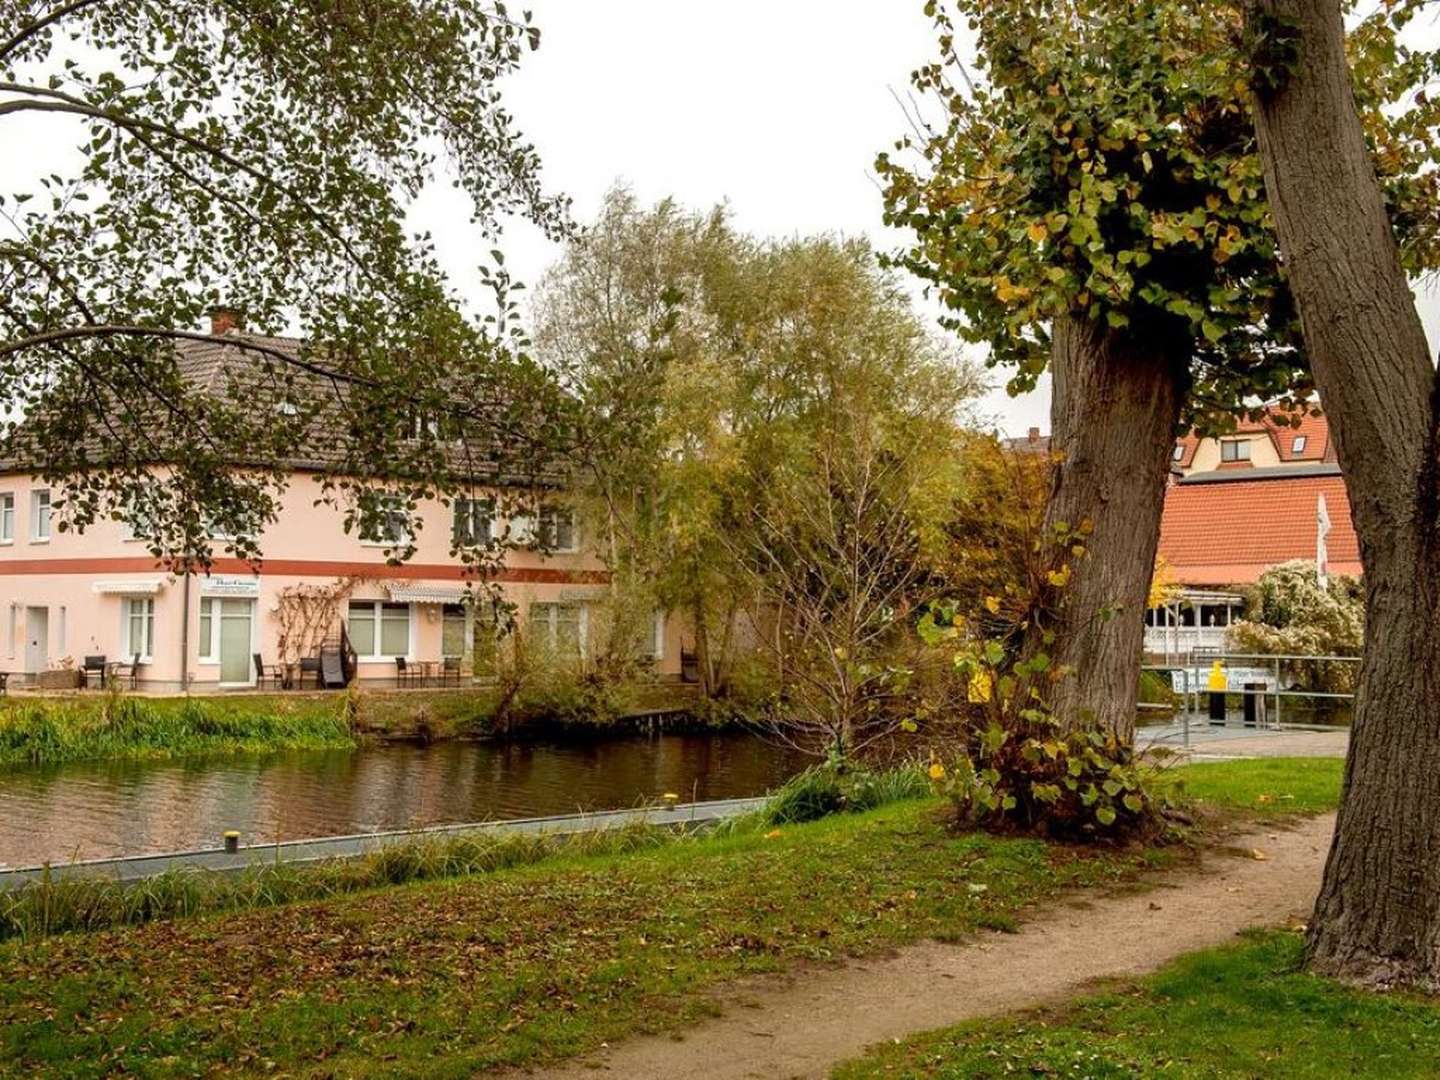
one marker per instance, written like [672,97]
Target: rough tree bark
[1377,920]
[1114,414]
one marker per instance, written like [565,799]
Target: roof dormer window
[1232,450]
[1298,446]
[1179,454]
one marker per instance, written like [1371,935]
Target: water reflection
[125,808]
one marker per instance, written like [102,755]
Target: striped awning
[143,587]
[427,594]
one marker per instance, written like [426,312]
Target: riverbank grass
[520,965]
[112,725]
[1264,787]
[1241,1011]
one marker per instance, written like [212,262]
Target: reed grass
[60,902]
[118,726]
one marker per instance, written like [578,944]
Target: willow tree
[1088,201]
[1352,236]
[261,156]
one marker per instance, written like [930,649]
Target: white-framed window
[379,629]
[453,625]
[1235,450]
[7,517]
[557,529]
[559,628]
[1179,453]
[205,641]
[654,647]
[474,522]
[387,523]
[1298,445]
[138,631]
[40,516]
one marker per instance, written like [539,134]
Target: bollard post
[232,842]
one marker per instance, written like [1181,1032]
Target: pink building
[67,595]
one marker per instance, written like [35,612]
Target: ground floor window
[379,629]
[558,628]
[139,635]
[452,630]
[653,646]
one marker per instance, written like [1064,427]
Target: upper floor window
[1298,446]
[557,529]
[474,522]
[386,521]
[1235,450]
[39,515]
[1179,452]
[7,518]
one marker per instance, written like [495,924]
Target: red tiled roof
[1276,424]
[1229,532]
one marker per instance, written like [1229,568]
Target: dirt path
[777,1028]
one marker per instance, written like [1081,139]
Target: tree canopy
[261,156]
[1100,162]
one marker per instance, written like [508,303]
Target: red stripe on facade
[312,568]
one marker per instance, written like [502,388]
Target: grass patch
[1265,786]
[116,726]
[1240,1011]
[519,965]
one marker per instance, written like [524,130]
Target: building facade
[68,596]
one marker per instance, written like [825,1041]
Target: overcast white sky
[778,106]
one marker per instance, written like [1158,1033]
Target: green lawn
[538,962]
[1243,1011]
[443,978]
[1265,786]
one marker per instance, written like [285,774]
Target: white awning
[427,594]
[144,587]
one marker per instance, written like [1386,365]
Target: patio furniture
[405,675]
[94,666]
[450,671]
[121,670]
[4,682]
[274,672]
[309,665]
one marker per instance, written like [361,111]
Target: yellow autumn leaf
[1059,578]
[1038,232]
[979,689]
[992,605]
[937,771]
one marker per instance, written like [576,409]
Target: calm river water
[87,811]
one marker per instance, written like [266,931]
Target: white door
[37,639]
[236,666]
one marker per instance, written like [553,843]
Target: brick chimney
[225,319]
[1034,436]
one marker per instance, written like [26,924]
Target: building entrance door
[37,639]
[236,621]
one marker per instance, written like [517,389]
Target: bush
[1082,786]
[822,790]
[1292,614]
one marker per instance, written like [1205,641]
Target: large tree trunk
[1378,917]
[1114,415]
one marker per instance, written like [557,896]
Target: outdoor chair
[122,670]
[94,667]
[274,672]
[4,682]
[405,675]
[309,665]
[450,671]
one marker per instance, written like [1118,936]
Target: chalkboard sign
[332,672]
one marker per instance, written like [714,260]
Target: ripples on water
[87,811]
